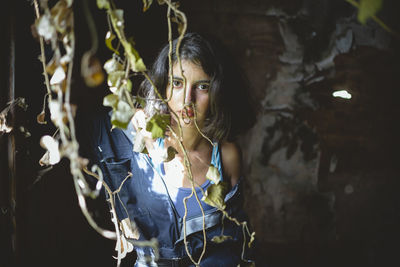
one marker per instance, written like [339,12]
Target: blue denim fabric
[145,200]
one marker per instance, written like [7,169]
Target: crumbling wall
[312,160]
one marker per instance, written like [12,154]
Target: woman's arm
[231,162]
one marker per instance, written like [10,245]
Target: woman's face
[197,87]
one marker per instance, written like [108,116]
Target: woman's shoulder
[231,160]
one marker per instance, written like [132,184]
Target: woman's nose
[189,95]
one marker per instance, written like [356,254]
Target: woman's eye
[177,84]
[203,87]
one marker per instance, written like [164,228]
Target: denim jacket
[146,201]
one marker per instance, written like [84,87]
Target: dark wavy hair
[231,108]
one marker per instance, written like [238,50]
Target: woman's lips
[187,112]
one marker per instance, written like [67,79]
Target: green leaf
[139,65]
[112,65]
[215,195]
[213,174]
[109,38]
[367,9]
[171,152]
[103,4]
[114,80]
[122,115]
[136,61]
[220,239]
[141,101]
[110,100]
[117,18]
[157,125]
[127,85]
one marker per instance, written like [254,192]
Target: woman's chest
[180,174]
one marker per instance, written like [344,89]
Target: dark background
[322,174]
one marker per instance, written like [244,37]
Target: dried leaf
[45,28]
[51,145]
[221,238]
[45,159]
[91,70]
[62,16]
[4,128]
[157,125]
[213,174]
[40,118]
[109,38]
[130,230]
[139,143]
[367,9]
[103,4]
[57,113]
[67,57]
[112,65]
[52,65]
[58,76]
[215,195]
[122,247]
[146,4]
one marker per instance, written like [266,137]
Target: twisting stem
[152,243]
[127,95]
[190,176]
[170,73]
[68,90]
[165,102]
[42,55]
[197,126]
[93,224]
[178,44]
[92,28]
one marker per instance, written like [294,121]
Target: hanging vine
[55,25]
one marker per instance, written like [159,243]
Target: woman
[206,94]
